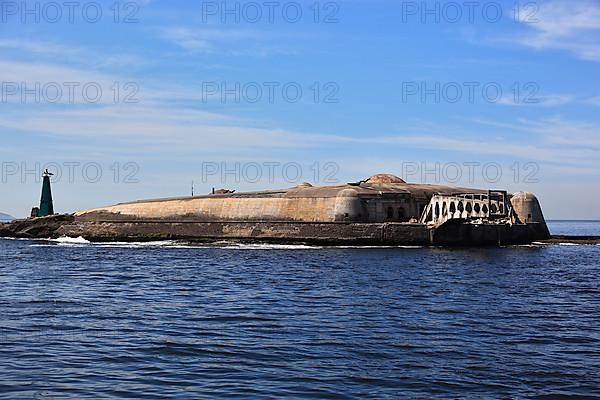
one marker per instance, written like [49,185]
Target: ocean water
[163,320]
[574,227]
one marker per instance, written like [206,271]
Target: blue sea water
[163,320]
[574,227]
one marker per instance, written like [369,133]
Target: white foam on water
[378,247]
[264,246]
[137,245]
[172,244]
[80,241]
[70,240]
[532,245]
[271,246]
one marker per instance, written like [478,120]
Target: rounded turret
[528,210]
[348,206]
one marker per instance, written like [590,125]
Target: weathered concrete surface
[332,233]
[224,208]
[314,233]
[456,233]
[528,210]
[371,200]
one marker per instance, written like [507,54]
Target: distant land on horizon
[6,217]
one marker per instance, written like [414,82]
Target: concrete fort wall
[454,233]
[329,233]
[345,207]
[333,233]
[309,209]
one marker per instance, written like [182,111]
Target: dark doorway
[401,214]
[390,213]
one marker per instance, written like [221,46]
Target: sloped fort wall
[372,200]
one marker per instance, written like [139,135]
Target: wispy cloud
[233,42]
[148,91]
[595,101]
[151,128]
[157,125]
[30,72]
[38,47]
[572,26]
[146,129]
[559,133]
[553,100]
[47,50]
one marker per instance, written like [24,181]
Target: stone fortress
[380,210]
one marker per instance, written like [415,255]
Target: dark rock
[33,228]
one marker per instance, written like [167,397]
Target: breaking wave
[70,240]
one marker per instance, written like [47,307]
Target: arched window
[390,213]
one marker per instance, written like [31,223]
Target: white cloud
[148,129]
[40,50]
[31,72]
[552,100]
[38,47]
[210,40]
[567,133]
[26,74]
[572,26]
[156,125]
[595,101]
[152,128]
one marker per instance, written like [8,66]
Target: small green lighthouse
[46,205]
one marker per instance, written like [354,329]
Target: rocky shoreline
[558,239]
[37,228]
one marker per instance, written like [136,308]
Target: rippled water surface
[162,320]
[574,227]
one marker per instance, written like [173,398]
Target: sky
[133,100]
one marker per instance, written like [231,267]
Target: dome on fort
[385,178]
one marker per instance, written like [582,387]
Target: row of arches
[442,208]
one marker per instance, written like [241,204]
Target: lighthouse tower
[46,204]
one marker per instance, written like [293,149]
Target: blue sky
[365,62]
